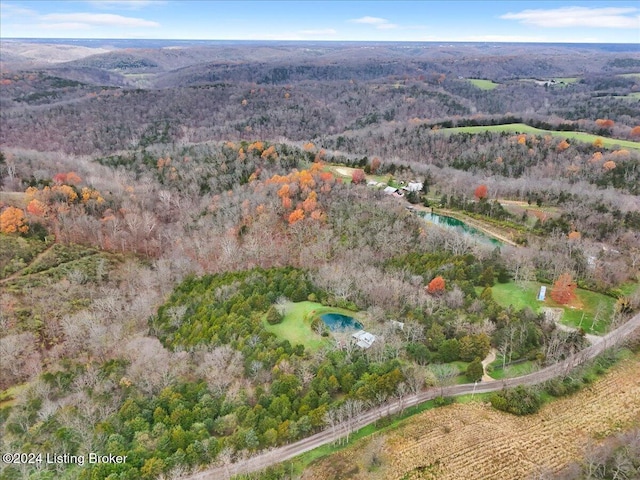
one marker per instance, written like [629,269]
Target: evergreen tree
[475,371]
[273,316]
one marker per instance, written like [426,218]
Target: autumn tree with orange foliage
[270,153]
[12,221]
[605,123]
[436,286]
[596,157]
[564,290]
[562,146]
[481,192]
[60,178]
[358,176]
[635,131]
[375,164]
[257,146]
[36,207]
[284,190]
[310,203]
[598,143]
[296,216]
[610,165]
[575,235]
[299,190]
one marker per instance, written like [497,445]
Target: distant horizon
[459,21]
[238,40]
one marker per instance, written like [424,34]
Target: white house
[413,187]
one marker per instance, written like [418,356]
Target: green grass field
[567,80]
[296,324]
[629,288]
[522,128]
[496,371]
[519,295]
[584,317]
[483,84]
[588,304]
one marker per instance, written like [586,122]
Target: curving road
[281,454]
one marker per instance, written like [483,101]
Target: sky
[595,21]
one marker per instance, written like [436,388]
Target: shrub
[443,401]
[519,401]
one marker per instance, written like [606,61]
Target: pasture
[483,84]
[610,143]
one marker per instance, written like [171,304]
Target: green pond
[454,223]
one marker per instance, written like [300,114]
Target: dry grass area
[17,199]
[473,441]
[345,171]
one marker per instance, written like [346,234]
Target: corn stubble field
[473,441]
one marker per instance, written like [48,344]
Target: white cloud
[97,19]
[66,26]
[379,23]
[325,31]
[370,20]
[130,4]
[578,17]
[7,10]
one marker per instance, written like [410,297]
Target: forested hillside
[176,222]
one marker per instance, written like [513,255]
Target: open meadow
[522,128]
[483,84]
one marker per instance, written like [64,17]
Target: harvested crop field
[473,441]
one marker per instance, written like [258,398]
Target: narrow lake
[450,222]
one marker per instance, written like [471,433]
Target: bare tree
[445,375]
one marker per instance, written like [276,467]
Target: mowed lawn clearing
[509,371]
[296,324]
[611,143]
[591,311]
[483,84]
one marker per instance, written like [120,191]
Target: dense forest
[171,218]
